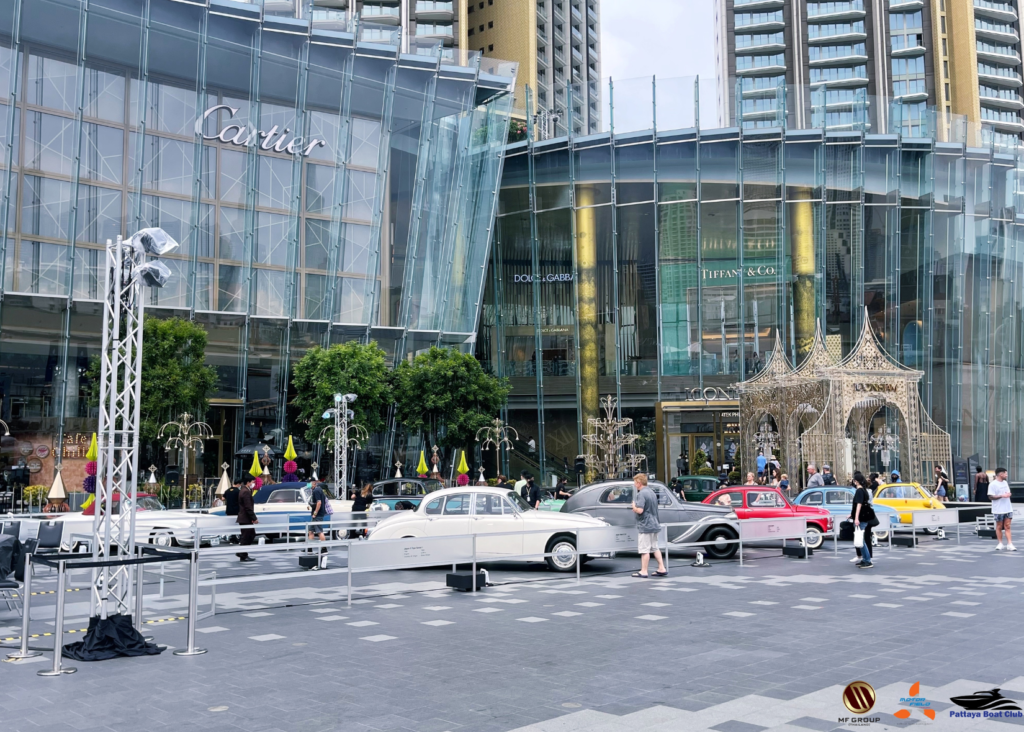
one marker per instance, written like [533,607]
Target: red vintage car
[760,501]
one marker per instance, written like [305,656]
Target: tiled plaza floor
[729,648]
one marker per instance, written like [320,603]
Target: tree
[446,395]
[345,368]
[175,377]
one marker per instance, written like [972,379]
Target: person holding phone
[645,506]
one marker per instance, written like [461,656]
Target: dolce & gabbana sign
[247,135]
[542,278]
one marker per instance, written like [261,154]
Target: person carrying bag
[864,519]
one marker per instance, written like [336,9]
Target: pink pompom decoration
[89,484]
[290,466]
[463,479]
[90,467]
[259,483]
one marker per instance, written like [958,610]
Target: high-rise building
[871,64]
[555,43]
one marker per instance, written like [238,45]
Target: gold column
[802,218]
[586,313]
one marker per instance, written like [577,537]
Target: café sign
[246,135]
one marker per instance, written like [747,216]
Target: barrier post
[349,563]
[474,562]
[58,630]
[741,547]
[958,526]
[835,538]
[579,556]
[24,652]
[193,592]
[140,579]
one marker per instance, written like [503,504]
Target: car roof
[886,485]
[472,488]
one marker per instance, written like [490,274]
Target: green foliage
[345,368]
[734,476]
[447,395]
[516,130]
[707,471]
[175,377]
[699,463]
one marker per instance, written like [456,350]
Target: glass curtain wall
[280,156]
[716,241]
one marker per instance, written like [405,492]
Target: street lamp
[341,414]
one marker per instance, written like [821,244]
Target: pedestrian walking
[680,465]
[942,489]
[751,480]
[318,513]
[826,475]
[863,517]
[980,485]
[815,480]
[762,462]
[246,517]
[645,506]
[1002,509]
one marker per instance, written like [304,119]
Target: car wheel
[161,537]
[880,535]
[562,554]
[720,549]
[813,539]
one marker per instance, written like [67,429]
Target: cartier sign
[245,135]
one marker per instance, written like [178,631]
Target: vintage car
[284,503]
[759,501]
[154,524]
[839,502]
[613,501]
[906,497]
[697,487]
[482,510]
[402,494]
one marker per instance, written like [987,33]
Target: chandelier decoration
[611,444]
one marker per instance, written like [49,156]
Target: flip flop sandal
[660,574]
[642,576]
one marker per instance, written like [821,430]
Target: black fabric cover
[110,638]
[9,545]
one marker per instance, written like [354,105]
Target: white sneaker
[856,559]
[999,547]
[1011,548]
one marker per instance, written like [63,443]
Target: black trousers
[248,537]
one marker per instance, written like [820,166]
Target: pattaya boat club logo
[985,704]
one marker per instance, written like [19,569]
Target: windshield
[432,485]
[518,501]
[148,503]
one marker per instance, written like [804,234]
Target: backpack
[829,479]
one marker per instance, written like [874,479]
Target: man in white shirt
[1002,509]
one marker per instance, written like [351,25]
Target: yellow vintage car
[906,496]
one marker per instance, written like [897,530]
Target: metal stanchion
[474,562]
[578,558]
[24,652]
[58,631]
[350,577]
[193,592]
[741,547]
[140,579]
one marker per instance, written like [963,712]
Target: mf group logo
[859,697]
[986,704]
[914,701]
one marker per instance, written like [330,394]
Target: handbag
[858,538]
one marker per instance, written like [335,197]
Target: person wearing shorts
[1002,509]
[645,506]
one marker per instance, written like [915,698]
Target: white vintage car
[521,531]
[154,524]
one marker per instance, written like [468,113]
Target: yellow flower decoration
[94,451]
[421,468]
[463,466]
[256,471]
[290,453]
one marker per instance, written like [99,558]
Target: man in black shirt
[534,493]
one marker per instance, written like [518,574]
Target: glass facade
[323,184]
[660,267]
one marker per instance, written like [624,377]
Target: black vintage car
[402,494]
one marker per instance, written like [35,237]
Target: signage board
[933,519]
[781,528]
[398,553]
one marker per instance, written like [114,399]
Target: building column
[586,263]
[803,272]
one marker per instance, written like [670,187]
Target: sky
[669,39]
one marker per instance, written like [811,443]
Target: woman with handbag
[863,516]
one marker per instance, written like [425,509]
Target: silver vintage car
[613,500]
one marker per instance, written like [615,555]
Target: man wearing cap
[826,475]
